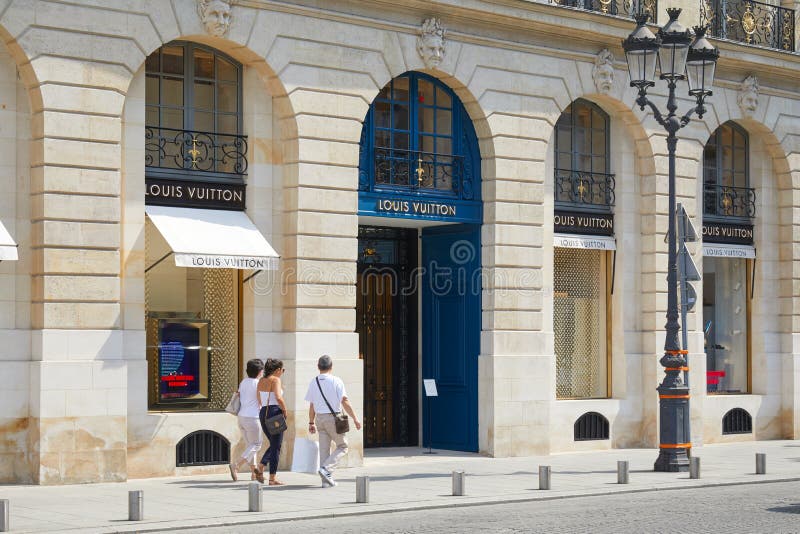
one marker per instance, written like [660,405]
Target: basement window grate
[737,421]
[591,425]
[203,447]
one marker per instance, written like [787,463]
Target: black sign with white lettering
[739,234]
[569,222]
[189,194]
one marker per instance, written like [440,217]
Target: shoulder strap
[323,396]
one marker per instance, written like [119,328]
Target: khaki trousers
[326,427]
[251,432]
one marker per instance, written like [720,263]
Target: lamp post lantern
[678,56]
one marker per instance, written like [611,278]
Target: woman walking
[248,419]
[271,401]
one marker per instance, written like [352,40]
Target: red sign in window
[176,381]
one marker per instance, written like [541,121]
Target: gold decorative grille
[220,307]
[579,323]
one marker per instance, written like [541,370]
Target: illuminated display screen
[183,360]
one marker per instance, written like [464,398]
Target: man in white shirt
[331,388]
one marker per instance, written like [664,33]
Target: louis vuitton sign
[717,232]
[192,194]
[569,222]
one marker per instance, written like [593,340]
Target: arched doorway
[418,303]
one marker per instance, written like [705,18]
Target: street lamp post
[678,58]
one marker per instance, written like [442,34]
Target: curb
[227,522]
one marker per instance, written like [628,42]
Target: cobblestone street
[773,508]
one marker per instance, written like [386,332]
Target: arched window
[194,110]
[582,157]
[418,138]
[726,175]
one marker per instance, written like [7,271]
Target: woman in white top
[270,398]
[248,419]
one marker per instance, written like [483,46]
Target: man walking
[327,397]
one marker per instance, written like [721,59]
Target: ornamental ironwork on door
[385,323]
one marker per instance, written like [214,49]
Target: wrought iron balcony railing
[186,150]
[623,8]
[729,202]
[420,171]
[750,22]
[584,189]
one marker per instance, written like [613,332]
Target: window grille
[737,421]
[204,447]
[579,323]
[591,426]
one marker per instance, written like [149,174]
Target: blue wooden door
[451,328]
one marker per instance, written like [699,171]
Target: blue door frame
[451,328]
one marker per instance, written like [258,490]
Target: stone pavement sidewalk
[400,479]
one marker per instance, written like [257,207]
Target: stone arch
[21,99]
[774,298]
[632,161]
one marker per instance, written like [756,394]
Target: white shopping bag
[306,456]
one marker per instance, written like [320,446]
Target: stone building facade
[88,95]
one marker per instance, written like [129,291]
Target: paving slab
[400,479]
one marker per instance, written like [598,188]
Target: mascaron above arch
[748,96]
[430,43]
[215,15]
[603,71]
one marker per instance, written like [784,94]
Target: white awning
[597,242]
[213,238]
[725,250]
[8,249]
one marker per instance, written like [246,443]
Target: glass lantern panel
[673,60]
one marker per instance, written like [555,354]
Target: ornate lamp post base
[673,454]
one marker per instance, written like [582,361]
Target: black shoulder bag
[275,424]
[341,419]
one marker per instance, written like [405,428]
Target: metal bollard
[135,505]
[761,463]
[622,472]
[459,478]
[254,497]
[694,467]
[362,489]
[544,477]
[5,515]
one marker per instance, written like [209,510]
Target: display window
[726,312]
[192,331]
[580,323]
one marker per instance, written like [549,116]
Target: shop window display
[580,323]
[191,329]
[725,311]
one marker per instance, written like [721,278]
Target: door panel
[451,325]
[375,323]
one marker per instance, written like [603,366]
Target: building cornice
[531,27]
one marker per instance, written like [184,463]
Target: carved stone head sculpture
[748,96]
[430,43]
[603,71]
[216,16]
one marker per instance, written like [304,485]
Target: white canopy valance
[726,250]
[596,242]
[8,249]
[216,239]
